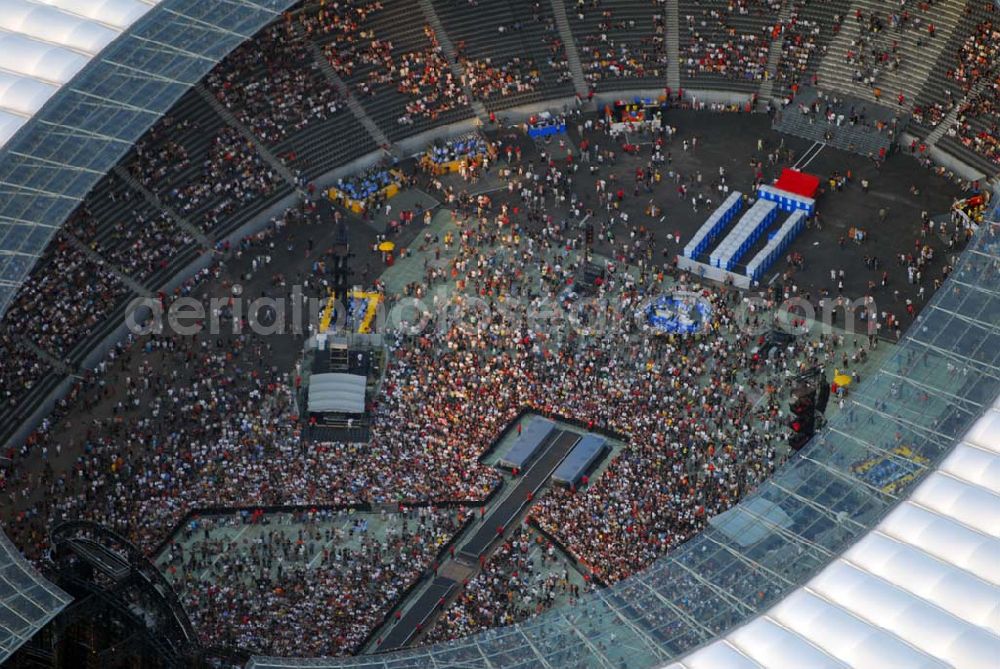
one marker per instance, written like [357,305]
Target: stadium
[499,333]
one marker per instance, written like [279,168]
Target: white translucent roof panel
[921,589]
[9,123]
[975,465]
[119,14]
[45,43]
[21,96]
[777,648]
[33,59]
[916,621]
[956,591]
[718,655]
[54,26]
[850,639]
[986,432]
[971,505]
[946,540]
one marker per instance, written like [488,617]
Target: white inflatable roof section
[24,96]
[9,123]
[922,589]
[45,43]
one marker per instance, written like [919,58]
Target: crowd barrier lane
[404,596]
[580,565]
[268,509]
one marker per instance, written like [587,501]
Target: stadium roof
[80,82]
[885,487]
[44,44]
[922,589]
[27,600]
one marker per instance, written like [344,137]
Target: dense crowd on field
[333,571]
[174,423]
[524,577]
[170,423]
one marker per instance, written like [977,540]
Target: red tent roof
[798,183]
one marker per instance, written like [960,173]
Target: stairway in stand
[836,74]
[108,266]
[263,151]
[451,55]
[949,120]
[766,90]
[674,44]
[569,43]
[154,200]
[352,102]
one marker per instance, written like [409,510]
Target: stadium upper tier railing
[56,158]
[897,425]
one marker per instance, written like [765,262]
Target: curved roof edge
[45,43]
[900,425]
[921,589]
[89,123]
[29,600]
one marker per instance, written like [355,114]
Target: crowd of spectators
[171,423]
[804,41]
[318,570]
[732,40]
[233,174]
[976,126]
[140,242]
[369,60]
[353,40]
[881,35]
[489,80]
[524,577]
[19,373]
[621,47]
[557,59]
[274,85]
[67,299]
[426,78]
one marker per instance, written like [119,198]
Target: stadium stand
[209,422]
[622,45]
[884,51]
[402,80]
[806,39]
[510,50]
[726,45]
